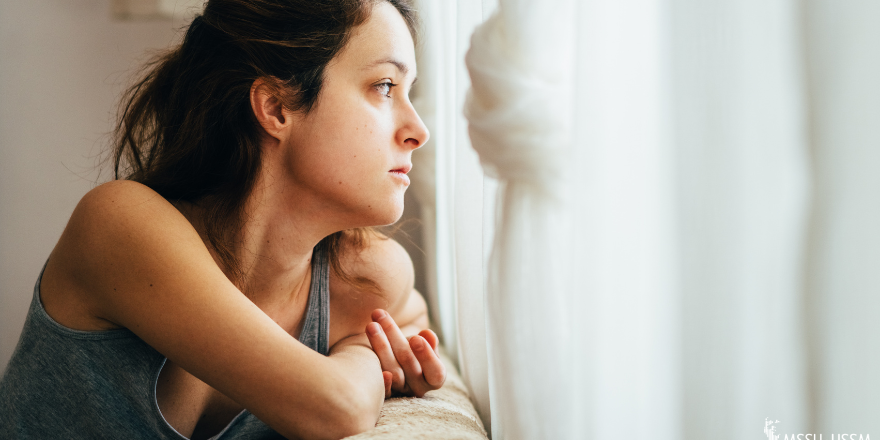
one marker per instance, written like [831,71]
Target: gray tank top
[70,384]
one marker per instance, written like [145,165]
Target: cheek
[352,153]
[357,141]
[326,145]
[347,153]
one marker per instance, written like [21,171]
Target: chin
[389,218]
[386,214]
[368,212]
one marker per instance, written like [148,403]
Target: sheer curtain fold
[519,124]
[683,207]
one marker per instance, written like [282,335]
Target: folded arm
[146,269]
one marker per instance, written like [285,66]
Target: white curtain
[685,238]
[688,232]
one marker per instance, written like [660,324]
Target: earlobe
[268,109]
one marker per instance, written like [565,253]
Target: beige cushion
[446,413]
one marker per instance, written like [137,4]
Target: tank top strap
[315,333]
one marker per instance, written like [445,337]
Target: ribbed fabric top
[71,384]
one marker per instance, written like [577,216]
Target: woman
[196,298]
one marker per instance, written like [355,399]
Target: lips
[403,169]
[399,173]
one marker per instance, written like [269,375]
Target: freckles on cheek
[366,128]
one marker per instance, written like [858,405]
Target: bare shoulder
[121,205]
[113,223]
[117,215]
[387,264]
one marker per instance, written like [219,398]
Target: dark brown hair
[186,128]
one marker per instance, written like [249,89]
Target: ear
[269,111]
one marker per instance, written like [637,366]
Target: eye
[385,88]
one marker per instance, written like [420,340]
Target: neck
[274,246]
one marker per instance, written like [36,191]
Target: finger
[387,377]
[432,339]
[384,351]
[433,370]
[401,349]
[378,314]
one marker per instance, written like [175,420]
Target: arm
[146,269]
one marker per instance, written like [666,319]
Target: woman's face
[353,150]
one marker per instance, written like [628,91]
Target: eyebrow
[397,63]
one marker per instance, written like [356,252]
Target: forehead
[383,37]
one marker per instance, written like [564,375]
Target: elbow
[354,411]
[343,411]
[350,427]
[357,413]
[342,419]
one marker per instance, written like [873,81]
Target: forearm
[344,399]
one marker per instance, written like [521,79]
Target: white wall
[63,64]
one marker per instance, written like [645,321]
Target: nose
[413,133]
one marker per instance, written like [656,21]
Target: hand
[410,367]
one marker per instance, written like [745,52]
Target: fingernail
[378,314]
